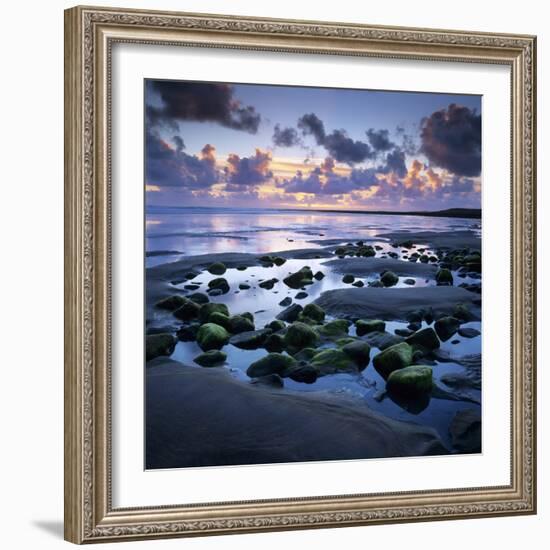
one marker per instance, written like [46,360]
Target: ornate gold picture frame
[90,34]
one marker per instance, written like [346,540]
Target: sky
[247,145]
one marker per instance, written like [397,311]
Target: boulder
[348,278]
[277,260]
[157,345]
[285,302]
[364,326]
[212,358]
[274,343]
[305,354]
[209,308]
[465,431]
[248,315]
[276,325]
[199,298]
[334,329]
[358,284]
[425,338]
[171,303]
[244,286]
[300,336]
[187,311]
[319,275]
[300,278]
[462,312]
[273,363]
[313,311]
[415,380]
[301,295]
[220,319]
[290,314]
[331,361]
[217,268]
[270,380]
[444,277]
[389,278]
[467,332]
[211,336]
[269,284]
[239,323]
[446,327]
[306,374]
[409,282]
[188,333]
[382,340]
[393,358]
[250,340]
[359,352]
[219,284]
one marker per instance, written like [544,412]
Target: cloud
[285,137]
[395,163]
[200,102]
[311,124]
[180,145]
[379,139]
[248,171]
[451,139]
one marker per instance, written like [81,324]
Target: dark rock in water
[238,324]
[305,355]
[359,351]
[429,316]
[211,336]
[300,278]
[364,326]
[273,363]
[278,261]
[415,317]
[220,319]
[319,275]
[276,325]
[199,298]
[334,329]
[393,358]
[157,345]
[188,333]
[331,361]
[306,374]
[274,343]
[462,312]
[413,404]
[425,338]
[165,329]
[358,284]
[389,278]
[249,316]
[446,327]
[348,279]
[207,309]
[465,431]
[188,310]
[191,275]
[268,285]
[250,340]
[300,336]
[244,286]
[285,302]
[468,332]
[301,295]
[216,292]
[409,282]
[414,326]
[411,381]
[424,259]
[454,342]
[444,277]
[241,268]
[171,303]
[404,332]
[290,314]
[191,287]
[382,340]
[313,311]
[219,284]
[378,247]
[375,284]
[212,358]
[271,380]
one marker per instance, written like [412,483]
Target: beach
[280,336]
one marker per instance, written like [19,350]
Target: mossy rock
[253,339]
[446,327]
[313,311]
[268,285]
[300,336]
[331,361]
[188,333]
[393,358]
[425,338]
[389,278]
[209,308]
[319,276]
[364,326]
[239,323]
[444,277]
[348,278]
[300,278]
[276,325]
[274,343]
[220,319]
[341,342]
[334,330]
[359,352]
[212,358]
[305,354]
[273,363]
[306,374]
[462,312]
[285,302]
[219,284]
[157,345]
[277,260]
[217,268]
[189,310]
[171,303]
[291,313]
[411,381]
[247,315]
[211,336]
[199,298]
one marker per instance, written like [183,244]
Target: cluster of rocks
[359,249]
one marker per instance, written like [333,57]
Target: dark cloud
[169,167]
[300,184]
[285,137]
[248,171]
[201,102]
[311,124]
[395,162]
[379,139]
[451,139]
[180,145]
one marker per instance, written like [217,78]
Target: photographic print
[313,274]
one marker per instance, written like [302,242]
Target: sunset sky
[245,145]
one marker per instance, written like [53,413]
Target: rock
[188,310]
[300,336]
[300,278]
[211,336]
[171,303]
[462,312]
[211,358]
[444,277]
[248,315]
[424,259]
[191,275]
[285,302]
[341,342]
[465,431]
[358,351]
[429,316]
[313,311]
[207,309]
[250,340]
[277,260]
[220,319]
[242,268]
[191,287]
[334,329]
[290,314]
[358,284]
[410,381]
[446,327]
[276,325]
[274,343]
[413,327]
[409,282]
[219,284]
[348,279]
[273,363]
[244,286]
[467,332]
[364,326]
[404,332]
[454,342]
[375,284]
[425,338]
[199,298]
[331,361]
[188,333]
[239,323]
[306,374]
[389,278]
[319,275]
[269,284]
[393,358]
[159,344]
[301,295]
[266,259]
[216,292]
[382,340]
[271,380]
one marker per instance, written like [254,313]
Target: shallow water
[199,231]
